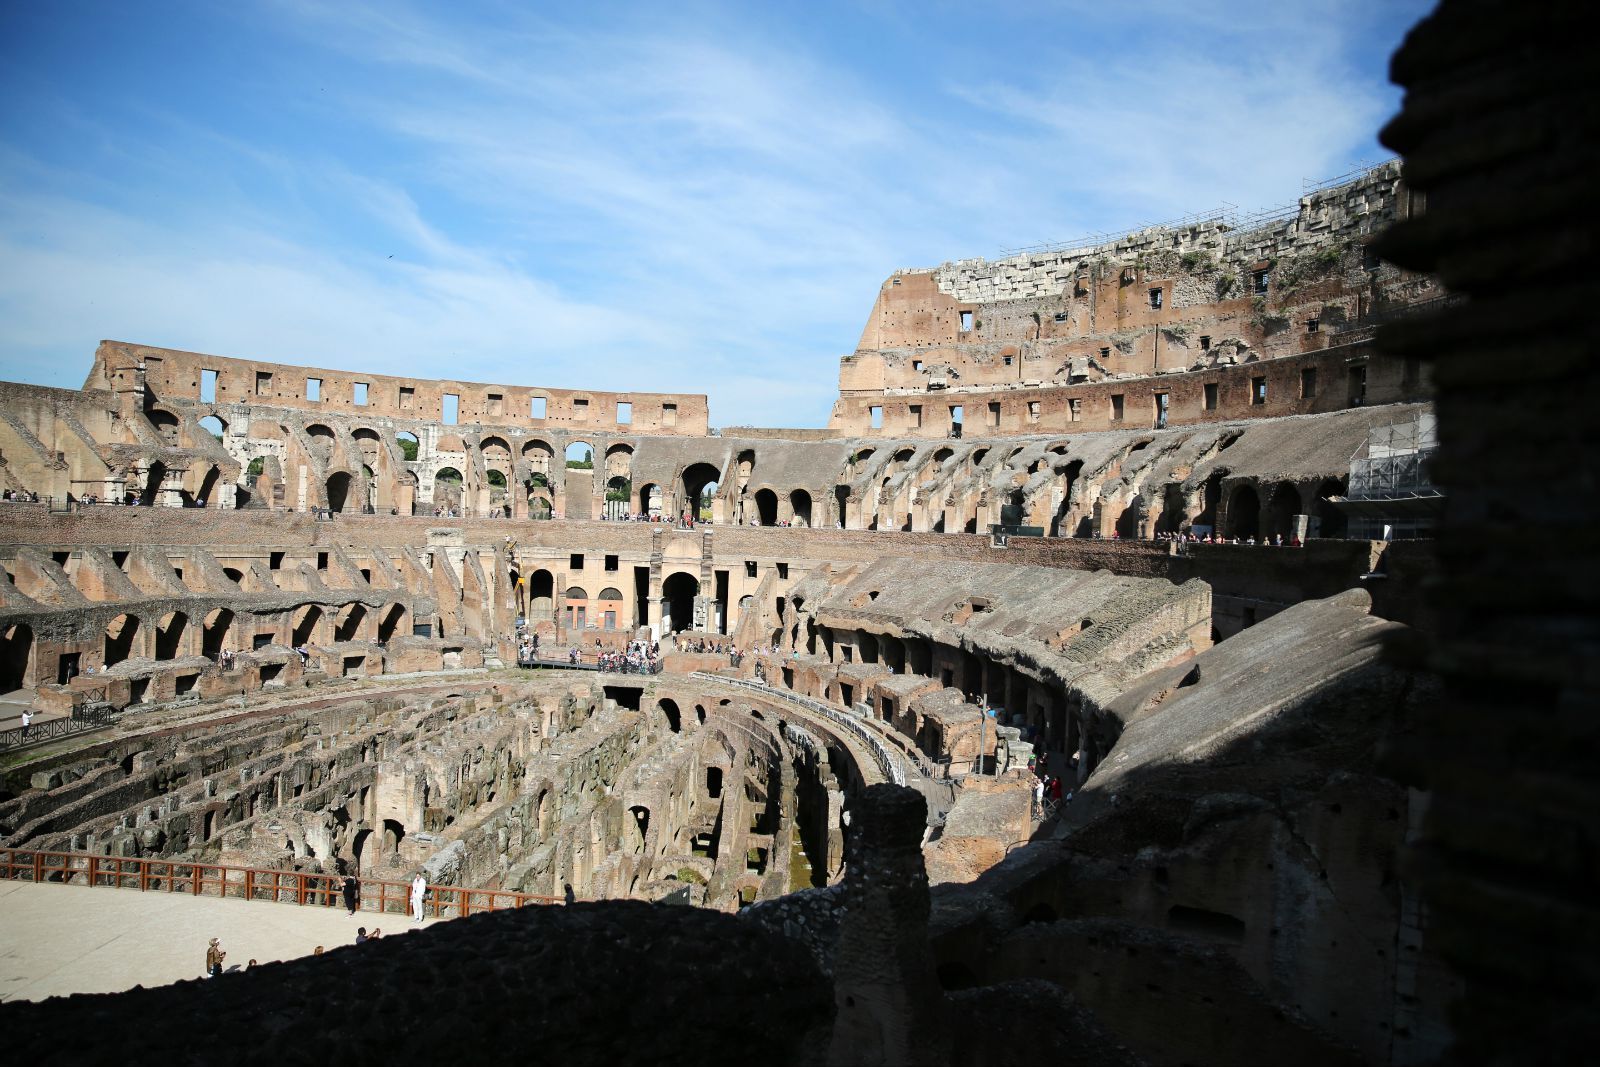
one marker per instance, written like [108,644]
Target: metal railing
[50,729]
[891,767]
[249,883]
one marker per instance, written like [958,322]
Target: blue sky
[688,196]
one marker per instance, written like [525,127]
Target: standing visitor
[214,958]
[419,888]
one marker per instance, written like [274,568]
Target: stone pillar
[890,1008]
[1304,526]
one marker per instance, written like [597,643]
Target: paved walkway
[61,939]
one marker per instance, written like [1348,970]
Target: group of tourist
[20,496]
[641,657]
[1189,537]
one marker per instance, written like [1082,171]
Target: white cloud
[685,202]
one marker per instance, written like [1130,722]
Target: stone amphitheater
[1176,520]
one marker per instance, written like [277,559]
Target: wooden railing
[249,883]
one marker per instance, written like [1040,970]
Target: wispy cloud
[693,199]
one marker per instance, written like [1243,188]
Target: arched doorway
[310,616]
[541,594]
[677,594]
[119,639]
[1281,512]
[669,709]
[447,488]
[338,490]
[1244,512]
[152,483]
[767,507]
[649,500]
[215,631]
[169,635]
[1331,521]
[696,479]
[800,504]
[348,628]
[390,623]
[208,485]
[16,656]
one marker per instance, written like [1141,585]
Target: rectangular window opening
[1163,400]
[263,383]
[1155,299]
[496,403]
[450,409]
[314,389]
[669,414]
[749,568]
[966,321]
[1205,342]
[915,413]
[358,394]
[624,413]
[208,386]
[783,570]
[1074,409]
[575,561]
[1033,411]
[994,415]
[1308,383]
[536,407]
[408,397]
[1211,391]
[1258,390]
[1259,281]
[1116,407]
[916,364]
[611,563]
[580,409]
[875,412]
[1358,384]
[1311,325]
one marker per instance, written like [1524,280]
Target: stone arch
[678,592]
[305,625]
[580,454]
[408,444]
[800,505]
[119,639]
[169,635]
[165,423]
[322,437]
[154,476]
[1244,512]
[390,623]
[447,488]
[214,632]
[767,507]
[16,656]
[1281,510]
[338,489]
[213,425]
[696,477]
[669,710]
[347,626]
[538,455]
[541,594]
[649,500]
[1331,522]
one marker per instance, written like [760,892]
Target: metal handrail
[305,888]
[49,729]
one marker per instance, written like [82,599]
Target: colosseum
[1075,692]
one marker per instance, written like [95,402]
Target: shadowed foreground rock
[606,984]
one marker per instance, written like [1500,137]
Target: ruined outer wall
[172,373]
[1150,303]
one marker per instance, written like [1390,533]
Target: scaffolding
[1391,493]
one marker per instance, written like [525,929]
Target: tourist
[317,951]
[567,895]
[351,891]
[27,722]
[361,935]
[419,888]
[214,958]
[249,964]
